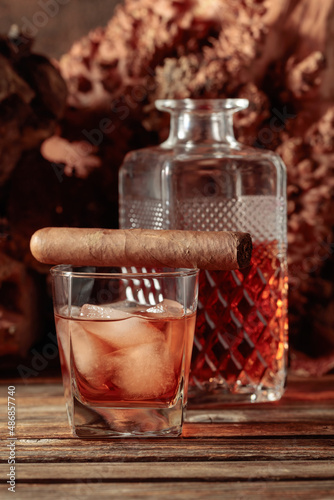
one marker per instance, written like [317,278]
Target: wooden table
[275,451]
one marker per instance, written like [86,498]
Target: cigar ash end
[244,251]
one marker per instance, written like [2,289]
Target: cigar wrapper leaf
[212,250]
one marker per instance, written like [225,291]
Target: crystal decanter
[202,179]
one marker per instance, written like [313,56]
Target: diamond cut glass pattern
[143,213]
[240,331]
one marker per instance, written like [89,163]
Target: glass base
[207,404]
[106,422]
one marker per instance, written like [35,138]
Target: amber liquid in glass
[241,329]
[127,362]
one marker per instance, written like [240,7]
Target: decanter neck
[201,121]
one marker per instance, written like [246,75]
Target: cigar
[214,250]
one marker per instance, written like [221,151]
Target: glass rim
[202,105]
[65,270]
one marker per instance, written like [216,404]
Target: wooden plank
[48,403]
[285,418]
[303,389]
[49,426]
[299,391]
[279,413]
[308,490]
[30,398]
[274,451]
[173,449]
[186,471]
[49,407]
[54,412]
[258,429]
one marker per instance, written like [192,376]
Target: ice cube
[174,326]
[91,311]
[143,372]
[88,351]
[167,309]
[125,330]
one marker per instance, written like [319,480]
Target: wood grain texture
[186,471]
[47,427]
[174,449]
[273,451]
[307,490]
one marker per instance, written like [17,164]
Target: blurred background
[78,81]
[67,21]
